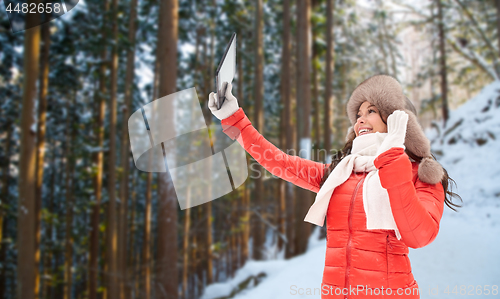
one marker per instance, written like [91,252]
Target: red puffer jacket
[359,263]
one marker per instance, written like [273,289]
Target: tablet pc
[225,71]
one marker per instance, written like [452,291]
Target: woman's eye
[371,110]
[358,116]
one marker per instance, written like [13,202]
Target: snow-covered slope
[283,278]
[470,146]
[466,252]
[464,259]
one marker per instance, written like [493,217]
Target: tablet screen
[227,67]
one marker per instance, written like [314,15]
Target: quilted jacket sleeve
[417,207]
[304,173]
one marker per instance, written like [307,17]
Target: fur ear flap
[430,171]
[415,139]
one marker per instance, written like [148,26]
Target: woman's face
[369,120]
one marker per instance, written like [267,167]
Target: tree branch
[472,57]
[480,32]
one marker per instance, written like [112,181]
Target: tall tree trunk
[209,242]
[198,289]
[186,293]
[381,45]
[40,140]
[219,253]
[330,66]
[185,247]
[132,259]
[137,282]
[146,252]
[194,265]
[82,284]
[239,64]
[244,204]
[58,252]
[208,60]
[104,272]
[186,235]
[49,284]
[384,36]
[233,261]
[284,200]
[286,88]
[26,220]
[328,100]
[125,153]
[4,196]
[69,167]
[112,250]
[442,50]
[259,229]
[394,65]
[303,115]
[98,165]
[167,272]
[342,120]
[315,98]
[245,221]
[315,67]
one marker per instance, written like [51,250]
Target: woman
[382,194]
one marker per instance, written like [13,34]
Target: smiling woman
[383,194]
[369,120]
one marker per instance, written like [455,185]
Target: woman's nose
[361,120]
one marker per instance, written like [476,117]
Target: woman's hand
[396,131]
[229,107]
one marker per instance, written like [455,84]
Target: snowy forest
[79,220]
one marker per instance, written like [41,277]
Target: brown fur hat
[387,95]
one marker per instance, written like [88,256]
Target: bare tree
[330,66]
[303,229]
[287,141]
[166,264]
[315,98]
[125,153]
[98,164]
[69,167]
[40,144]
[244,214]
[259,229]
[442,50]
[26,239]
[146,245]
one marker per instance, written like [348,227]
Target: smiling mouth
[364,131]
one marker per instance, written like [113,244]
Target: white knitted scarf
[375,198]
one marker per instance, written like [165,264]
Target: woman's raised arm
[302,172]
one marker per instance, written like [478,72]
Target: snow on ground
[464,259]
[283,276]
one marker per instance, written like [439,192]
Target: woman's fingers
[229,93]
[211,102]
[396,122]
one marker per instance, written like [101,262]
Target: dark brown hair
[446,181]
